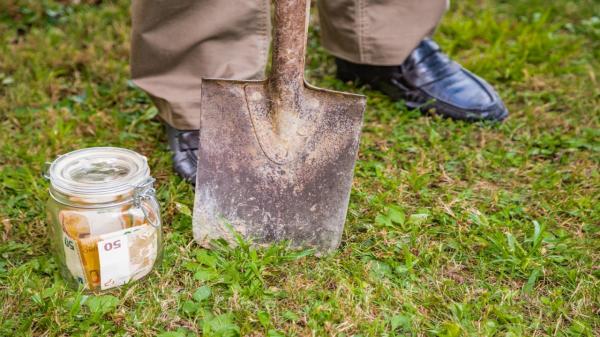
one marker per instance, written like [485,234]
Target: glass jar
[103,216]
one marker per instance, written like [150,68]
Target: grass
[454,229]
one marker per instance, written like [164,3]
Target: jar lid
[98,172]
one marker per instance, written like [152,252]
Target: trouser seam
[360,28]
[263,25]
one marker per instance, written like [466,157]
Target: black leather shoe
[431,81]
[184,146]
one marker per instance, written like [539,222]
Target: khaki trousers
[175,43]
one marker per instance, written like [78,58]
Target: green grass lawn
[454,229]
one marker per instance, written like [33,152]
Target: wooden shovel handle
[289,49]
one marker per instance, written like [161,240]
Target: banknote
[105,250]
[73,259]
[127,255]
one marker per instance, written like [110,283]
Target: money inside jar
[104,218]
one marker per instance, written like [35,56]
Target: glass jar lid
[98,172]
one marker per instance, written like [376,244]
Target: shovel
[276,157]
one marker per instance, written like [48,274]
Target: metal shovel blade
[276,157]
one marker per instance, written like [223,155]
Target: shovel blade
[268,180]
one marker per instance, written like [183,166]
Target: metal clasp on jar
[46,168]
[145,191]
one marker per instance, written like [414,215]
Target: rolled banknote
[106,249]
[127,255]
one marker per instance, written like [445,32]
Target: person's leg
[175,43]
[377,32]
[386,44]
